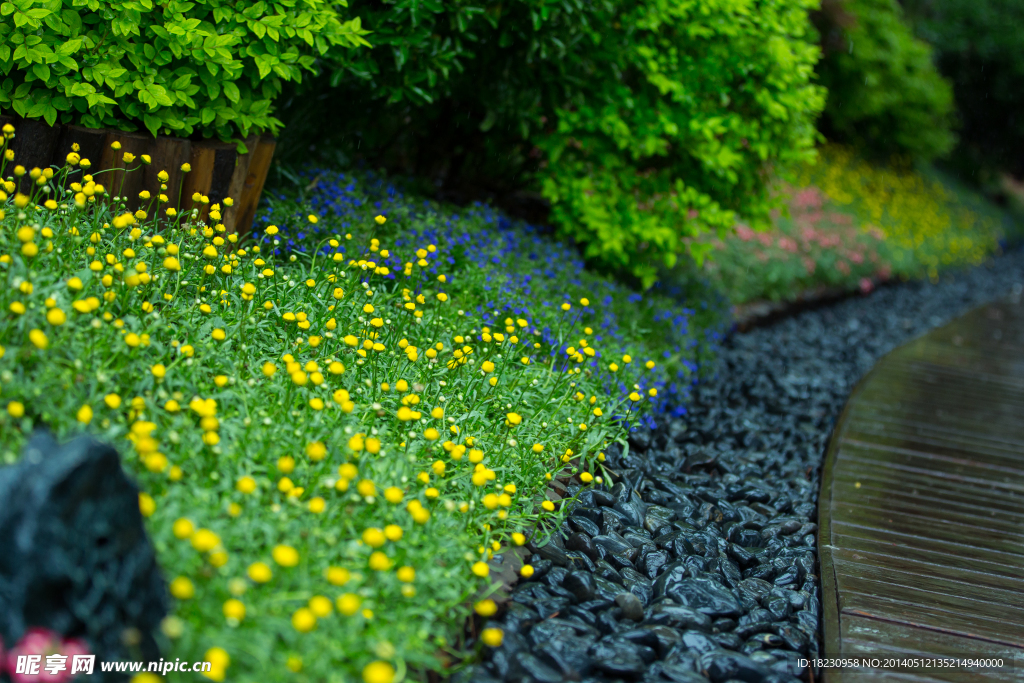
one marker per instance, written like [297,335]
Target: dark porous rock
[705,595]
[76,558]
[631,606]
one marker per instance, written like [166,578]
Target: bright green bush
[211,68]
[885,94]
[643,123]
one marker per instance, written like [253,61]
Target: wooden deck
[921,513]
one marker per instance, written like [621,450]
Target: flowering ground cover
[852,224]
[335,422]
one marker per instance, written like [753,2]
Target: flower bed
[851,225]
[336,422]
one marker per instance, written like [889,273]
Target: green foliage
[674,132]
[211,67]
[643,123]
[978,43]
[885,94]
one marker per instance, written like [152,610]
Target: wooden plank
[874,638]
[936,568]
[924,527]
[34,145]
[237,185]
[924,486]
[259,167]
[213,164]
[168,154]
[853,489]
[928,615]
[897,574]
[927,543]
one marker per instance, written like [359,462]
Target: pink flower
[41,642]
[857,257]
[843,267]
[743,232]
[765,239]
[787,244]
[810,265]
[809,197]
[866,285]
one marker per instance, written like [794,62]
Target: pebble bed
[701,562]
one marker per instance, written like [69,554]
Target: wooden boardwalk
[922,506]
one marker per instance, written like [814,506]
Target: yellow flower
[320,606]
[183,528]
[481,569]
[374,537]
[338,576]
[513,418]
[379,561]
[393,532]
[304,620]
[171,263]
[234,609]
[38,339]
[348,604]
[182,588]
[486,608]
[159,371]
[246,484]
[492,637]
[316,451]
[147,506]
[378,672]
[84,414]
[286,556]
[259,572]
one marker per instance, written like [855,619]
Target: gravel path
[703,564]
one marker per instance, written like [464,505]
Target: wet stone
[581,584]
[631,606]
[728,493]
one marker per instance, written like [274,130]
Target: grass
[850,224]
[336,421]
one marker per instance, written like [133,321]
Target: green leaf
[231,91]
[41,71]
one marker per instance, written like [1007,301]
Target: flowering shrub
[851,224]
[816,246]
[176,67]
[335,424]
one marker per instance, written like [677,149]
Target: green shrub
[885,94]
[212,68]
[642,123]
[978,43]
